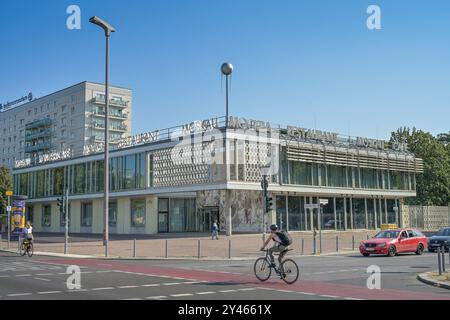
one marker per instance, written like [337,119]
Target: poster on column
[18,216]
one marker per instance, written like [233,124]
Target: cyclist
[28,233]
[278,245]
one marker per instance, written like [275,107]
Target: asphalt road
[337,277]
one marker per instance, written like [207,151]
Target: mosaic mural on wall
[246,208]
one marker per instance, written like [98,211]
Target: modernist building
[68,119]
[182,178]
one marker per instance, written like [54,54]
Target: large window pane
[371,213]
[47,216]
[40,184]
[359,214]
[58,181]
[391,211]
[79,178]
[300,173]
[86,215]
[130,171]
[340,214]
[138,213]
[296,213]
[177,215]
[281,211]
[112,208]
[328,221]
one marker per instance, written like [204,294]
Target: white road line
[308,293]
[104,264]
[4,276]
[103,271]
[23,275]
[19,294]
[132,299]
[77,290]
[226,291]
[157,298]
[44,274]
[85,272]
[171,283]
[42,279]
[247,289]
[126,287]
[288,291]
[329,296]
[205,292]
[181,295]
[105,288]
[353,299]
[191,282]
[48,292]
[151,285]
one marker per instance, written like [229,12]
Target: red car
[391,242]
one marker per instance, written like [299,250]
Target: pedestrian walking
[215,230]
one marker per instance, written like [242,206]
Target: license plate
[370,249]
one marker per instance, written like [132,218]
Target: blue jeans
[215,234]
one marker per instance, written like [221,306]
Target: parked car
[440,239]
[393,241]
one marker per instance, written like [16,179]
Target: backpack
[285,238]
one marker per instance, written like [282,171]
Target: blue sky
[310,63]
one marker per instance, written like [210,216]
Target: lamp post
[227,70]
[108,30]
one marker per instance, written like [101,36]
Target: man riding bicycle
[28,233]
[279,245]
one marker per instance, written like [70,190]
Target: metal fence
[426,218]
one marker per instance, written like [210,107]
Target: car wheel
[419,250]
[366,254]
[392,251]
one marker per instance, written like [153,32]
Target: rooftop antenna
[227,70]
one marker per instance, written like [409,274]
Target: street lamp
[108,30]
[227,70]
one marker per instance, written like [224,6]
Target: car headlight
[382,245]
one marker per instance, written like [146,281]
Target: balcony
[39,123]
[111,114]
[113,102]
[122,128]
[30,136]
[39,147]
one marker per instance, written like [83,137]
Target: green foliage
[433,186]
[6,184]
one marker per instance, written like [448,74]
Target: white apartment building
[70,118]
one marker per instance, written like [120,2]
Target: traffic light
[61,204]
[269,204]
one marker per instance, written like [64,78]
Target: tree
[5,185]
[433,185]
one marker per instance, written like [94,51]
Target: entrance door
[207,216]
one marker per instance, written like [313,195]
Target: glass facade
[179,215]
[126,173]
[338,214]
[112,216]
[46,216]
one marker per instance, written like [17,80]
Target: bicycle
[26,248]
[287,271]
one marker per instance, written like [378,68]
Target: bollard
[199,249]
[167,247]
[439,260]
[337,243]
[134,248]
[314,244]
[1,242]
[353,243]
[303,246]
[443,258]
[229,249]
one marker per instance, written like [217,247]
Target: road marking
[353,299]
[105,288]
[307,293]
[77,290]
[19,294]
[191,282]
[226,291]
[247,289]
[4,276]
[48,292]
[329,296]
[181,295]
[288,291]
[45,274]
[132,299]
[127,287]
[151,285]
[157,298]
[23,275]
[103,271]
[171,283]
[42,279]
[205,292]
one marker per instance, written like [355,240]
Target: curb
[423,277]
[62,255]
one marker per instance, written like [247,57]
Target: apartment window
[22,121]
[29,112]
[63,133]
[73,98]
[72,110]
[42,108]
[63,109]
[63,121]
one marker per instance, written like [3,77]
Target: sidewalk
[200,246]
[434,279]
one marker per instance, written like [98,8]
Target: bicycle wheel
[23,250]
[262,269]
[30,250]
[289,271]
